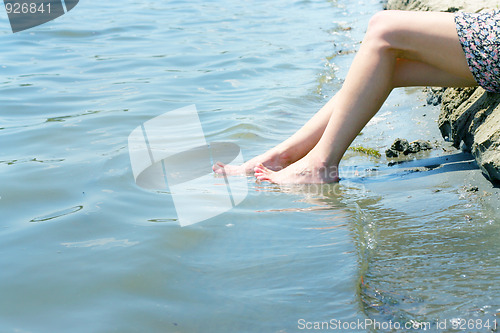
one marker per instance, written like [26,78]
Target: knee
[382,29]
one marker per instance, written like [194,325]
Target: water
[83,248]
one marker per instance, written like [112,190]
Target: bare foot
[300,172]
[271,159]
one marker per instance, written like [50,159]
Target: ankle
[283,155]
[325,169]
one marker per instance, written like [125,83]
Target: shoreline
[470,117]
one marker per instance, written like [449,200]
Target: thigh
[427,37]
[410,73]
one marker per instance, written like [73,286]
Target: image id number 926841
[474,324]
[27,8]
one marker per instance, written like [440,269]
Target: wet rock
[472,116]
[433,99]
[391,153]
[403,146]
[472,188]
[434,95]
[419,145]
[456,115]
[400,145]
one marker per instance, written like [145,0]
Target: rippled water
[83,248]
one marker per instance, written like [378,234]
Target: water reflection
[424,244]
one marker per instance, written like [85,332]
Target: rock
[434,96]
[402,146]
[456,115]
[486,144]
[422,144]
[433,99]
[474,119]
[417,146]
[391,153]
[441,5]
[472,188]
[413,148]
[407,5]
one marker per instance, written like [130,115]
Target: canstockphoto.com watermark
[26,14]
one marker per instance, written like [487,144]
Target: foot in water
[271,160]
[300,172]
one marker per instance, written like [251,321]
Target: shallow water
[84,248]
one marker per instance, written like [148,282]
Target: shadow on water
[417,168]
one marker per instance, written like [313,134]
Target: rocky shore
[469,117]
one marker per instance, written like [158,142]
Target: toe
[262,178]
[262,173]
[261,168]
[218,167]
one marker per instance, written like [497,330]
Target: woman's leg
[288,151]
[399,49]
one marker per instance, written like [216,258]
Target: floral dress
[479,35]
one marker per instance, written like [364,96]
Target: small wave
[101,243]
[57,214]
